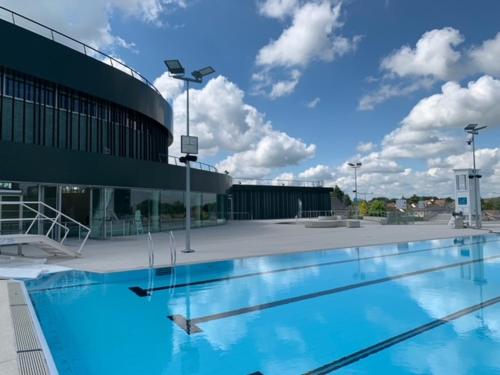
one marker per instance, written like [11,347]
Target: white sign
[189,145]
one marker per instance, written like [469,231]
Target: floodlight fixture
[176,70]
[473,129]
[174,67]
[199,74]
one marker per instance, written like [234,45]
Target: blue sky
[367,65]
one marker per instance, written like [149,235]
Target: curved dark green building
[92,140]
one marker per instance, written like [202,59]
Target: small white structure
[401,204]
[467,195]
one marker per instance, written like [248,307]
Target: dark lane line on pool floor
[191,325]
[141,292]
[382,345]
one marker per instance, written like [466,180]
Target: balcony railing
[68,41]
[174,160]
[277,182]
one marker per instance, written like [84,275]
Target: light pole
[473,130]
[355,166]
[189,145]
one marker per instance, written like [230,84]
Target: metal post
[188,182]
[474,171]
[356,191]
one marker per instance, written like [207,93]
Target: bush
[363,208]
[377,208]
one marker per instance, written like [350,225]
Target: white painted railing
[49,214]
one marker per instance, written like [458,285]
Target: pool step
[30,354]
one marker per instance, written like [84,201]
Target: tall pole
[356,190]
[188,182]
[474,171]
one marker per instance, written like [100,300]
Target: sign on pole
[189,144]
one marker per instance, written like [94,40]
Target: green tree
[363,208]
[377,208]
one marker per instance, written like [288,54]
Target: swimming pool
[429,307]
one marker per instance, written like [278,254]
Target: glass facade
[118,211]
[38,112]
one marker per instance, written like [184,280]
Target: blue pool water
[429,307]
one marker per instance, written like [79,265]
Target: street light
[473,130]
[189,145]
[355,166]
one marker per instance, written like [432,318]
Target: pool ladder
[173,250]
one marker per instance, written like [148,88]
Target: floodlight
[174,67]
[470,127]
[199,74]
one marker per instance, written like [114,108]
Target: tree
[363,208]
[377,208]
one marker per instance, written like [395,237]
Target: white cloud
[313,103]
[274,150]
[457,106]
[388,90]
[89,21]
[312,36]
[486,58]
[277,8]
[434,55]
[365,147]
[318,172]
[225,124]
[168,86]
[283,88]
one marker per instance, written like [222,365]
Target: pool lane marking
[141,292]
[368,351]
[191,325]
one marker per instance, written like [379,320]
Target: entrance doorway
[75,202]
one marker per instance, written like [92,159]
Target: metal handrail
[54,220]
[173,249]
[276,182]
[193,164]
[125,68]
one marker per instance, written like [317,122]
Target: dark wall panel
[39,56]
[32,163]
[277,202]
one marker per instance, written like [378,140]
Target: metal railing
[40,218]
[68,41]
[277,182]
[194,164]
[173,249]
[315,213]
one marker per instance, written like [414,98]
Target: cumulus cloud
[89,21]
[434,55]
[456,106]
[311,36]
[225,124]
[485,58]
[365,147]
[283,88]
[318,172]
[168,86]
[277,8]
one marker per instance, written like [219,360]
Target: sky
[303,87]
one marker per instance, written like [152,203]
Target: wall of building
[277,202]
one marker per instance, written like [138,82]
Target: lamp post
[355,166]
[189,145]
[473,130]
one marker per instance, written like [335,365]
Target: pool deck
[8,351]
[239,239]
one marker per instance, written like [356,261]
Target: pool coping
[8,352]
[481,232]
[21,335]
